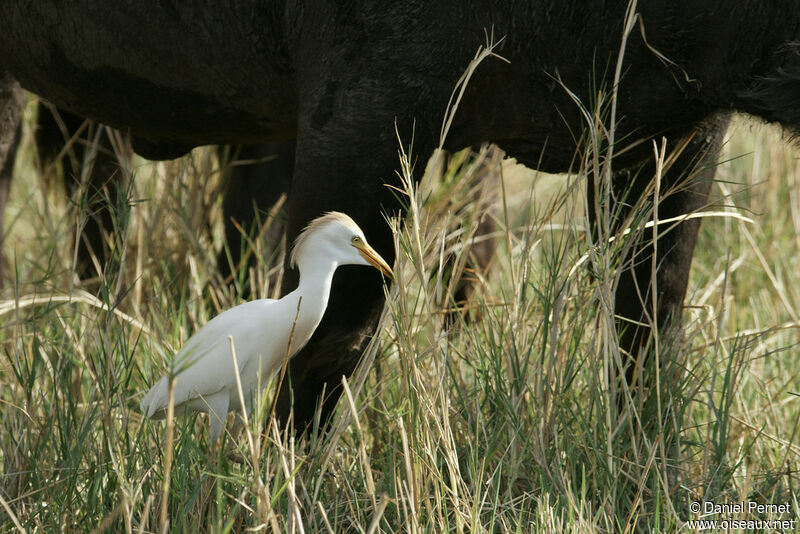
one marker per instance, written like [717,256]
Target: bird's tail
[155,400]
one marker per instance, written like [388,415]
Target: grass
[505,423]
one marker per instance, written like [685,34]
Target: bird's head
[336,237]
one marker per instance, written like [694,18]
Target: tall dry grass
[502,422]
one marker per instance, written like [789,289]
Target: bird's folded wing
[204,366]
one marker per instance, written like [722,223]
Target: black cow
[338,76]
[259,176]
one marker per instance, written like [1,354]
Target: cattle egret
[205,380]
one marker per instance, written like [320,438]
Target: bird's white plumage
[205,378]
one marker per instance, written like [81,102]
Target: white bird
[205,379]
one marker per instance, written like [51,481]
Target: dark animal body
[337,76]
[75,141]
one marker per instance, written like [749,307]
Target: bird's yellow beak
[374,259]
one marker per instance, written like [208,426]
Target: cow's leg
[481,251]
[57,129]
[684,189]
[12,100]
[356,295]
[260,175]
[480,258]
[334,172]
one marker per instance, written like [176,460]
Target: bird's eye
[355,239]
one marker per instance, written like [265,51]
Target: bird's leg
[217,412]
[233,454]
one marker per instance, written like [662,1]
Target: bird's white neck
[312,295]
